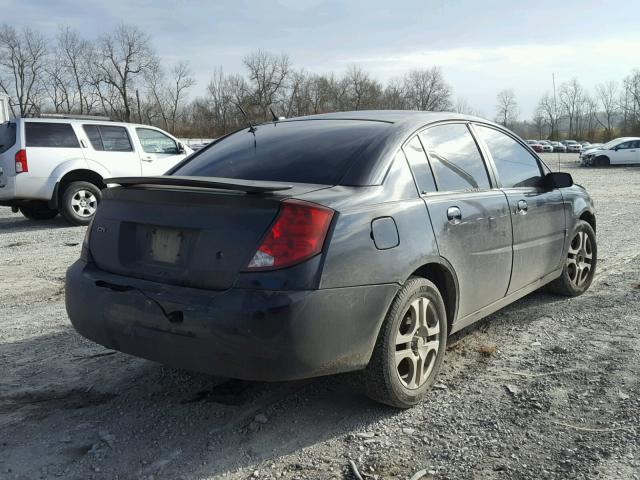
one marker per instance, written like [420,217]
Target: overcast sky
[482,46]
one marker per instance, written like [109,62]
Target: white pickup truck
[58,165]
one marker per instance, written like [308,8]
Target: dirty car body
[191,269]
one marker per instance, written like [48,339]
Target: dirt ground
[546,388]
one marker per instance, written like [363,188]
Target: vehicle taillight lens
[298,233]
[21,161]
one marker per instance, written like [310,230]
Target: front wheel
[410,347]
[79,202]
[580,262]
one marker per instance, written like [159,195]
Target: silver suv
[58,165]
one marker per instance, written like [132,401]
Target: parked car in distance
[546,146]
[535,145]
[558,147]
[264,257]
[572,146]
[620,151]
[58,165]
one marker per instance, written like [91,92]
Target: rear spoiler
[248,186]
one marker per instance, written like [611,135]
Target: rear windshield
[7,136]
[51,135]
[312,151]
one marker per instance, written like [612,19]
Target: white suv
[58,165]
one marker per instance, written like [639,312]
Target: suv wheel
[38,211]
[410,347]
[580,264]
[79,202]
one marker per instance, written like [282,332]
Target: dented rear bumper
[249,334]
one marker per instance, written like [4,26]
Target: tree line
[612,109]
[119,75]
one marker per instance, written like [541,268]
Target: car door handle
[454,215]
[522,207]
[147,159]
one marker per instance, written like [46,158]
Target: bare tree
[548,109]
[23,57]
[462,105]
[608,98]
[363,91]
[224,94]
[394,96]
[571,96]
[181,82]
[591,117]
[507,107]
[58,87]
[427,90]
[125,56]
[267,75]
[540,124]
[75,56]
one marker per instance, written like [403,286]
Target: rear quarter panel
[352,258]
[577,201]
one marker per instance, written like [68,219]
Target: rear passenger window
[108,138]
[516,166]
[455,158]
[419,166]
[51,135]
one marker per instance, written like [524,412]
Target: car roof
[392,116]
[97,121]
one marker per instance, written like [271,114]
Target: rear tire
[38,211]
[580,263]
[79,202]
[410,347]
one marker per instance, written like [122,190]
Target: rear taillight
[298,233]
[21,161]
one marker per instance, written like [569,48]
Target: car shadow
[89,407]
[17,223]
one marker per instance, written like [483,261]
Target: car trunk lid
[198,232]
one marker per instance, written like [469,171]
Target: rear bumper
[238,333]
[22,188]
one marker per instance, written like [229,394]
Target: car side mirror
[557,180]
[181,149]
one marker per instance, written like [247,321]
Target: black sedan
[330,243]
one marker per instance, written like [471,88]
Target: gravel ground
[546,388]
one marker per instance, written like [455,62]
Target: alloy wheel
[84,203]
[417,343]
[580,259]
